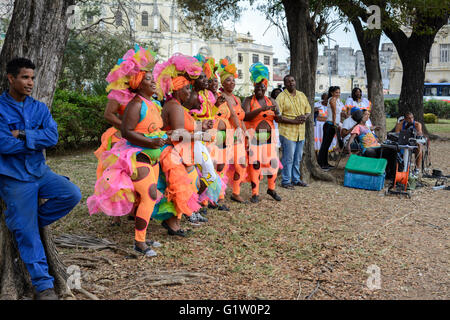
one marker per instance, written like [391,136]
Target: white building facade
[438,66]
[162,23]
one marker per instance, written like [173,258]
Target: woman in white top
[356,100]
[334,109]
[321,108]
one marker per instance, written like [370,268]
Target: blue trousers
[292,156]
[24,216]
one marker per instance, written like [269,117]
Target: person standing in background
[295,109]
[331,126]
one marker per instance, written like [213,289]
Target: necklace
[231,95]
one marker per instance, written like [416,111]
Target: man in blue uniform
[26,129]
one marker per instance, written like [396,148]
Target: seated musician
[406,123]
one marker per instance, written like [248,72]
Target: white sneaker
[193,220]
[152,243]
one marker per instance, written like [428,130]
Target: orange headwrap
[179,82]
[136,80]
[264,81]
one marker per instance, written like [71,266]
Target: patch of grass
[267,269]
[187,260]
[245,266]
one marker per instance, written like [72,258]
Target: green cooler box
[365,173]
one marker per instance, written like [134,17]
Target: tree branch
[94,24]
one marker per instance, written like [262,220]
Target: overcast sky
[254,22]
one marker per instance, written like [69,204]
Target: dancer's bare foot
[141,245]
[116,221]
[237,198]
[173,227]
[143,248]
[174,223]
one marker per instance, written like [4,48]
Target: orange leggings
[240,167]
[146,187]
[256,177]
[263,161]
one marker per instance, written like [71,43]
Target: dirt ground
[318,243]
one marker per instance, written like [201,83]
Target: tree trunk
[411,95]
[38,31]
[414,64]
[304,53]
[414,52]
[370,44]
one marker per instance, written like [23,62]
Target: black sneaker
[212,206]
[274,195]
[255,199]
[48,294]
[203,211]
[287,186]
[223,207]
[300,184]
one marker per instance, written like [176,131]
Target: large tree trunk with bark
[370,44]
[38,31]
[414,52]
[304,53]
[414,63]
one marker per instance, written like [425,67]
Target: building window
[118,18]
[267,60]
[145,19]
[445,52]
[90,18]
[240,58]
[240,75]
[255,58]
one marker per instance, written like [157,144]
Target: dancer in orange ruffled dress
[260,114]
[237,172]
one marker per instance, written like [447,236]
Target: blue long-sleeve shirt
[24,159]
